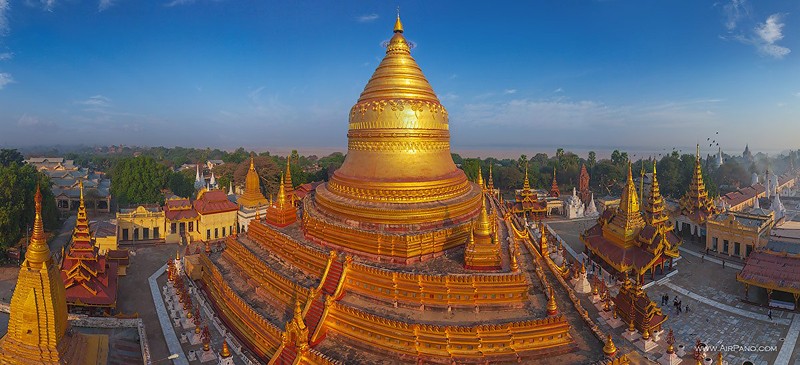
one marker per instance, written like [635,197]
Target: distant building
[65,177]
[211,164]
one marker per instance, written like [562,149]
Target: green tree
[592,160]
[9,156]
[17,187]
[138,180]
[470,167]
[180,184]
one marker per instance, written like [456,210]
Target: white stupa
[753,179]
[777,207]
[213,182]
[199,179]
[573,206]
[591,209]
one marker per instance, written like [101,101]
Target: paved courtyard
[717,315]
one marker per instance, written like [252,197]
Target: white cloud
[105,4]
[734,11]
[5,79]
[6,56]
[27,121]
[797,94]
[509,91]
[97,101]
[771,30]
[367,18]
[4,8]
[768,33]
[559,90]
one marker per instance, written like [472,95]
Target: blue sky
[531,76]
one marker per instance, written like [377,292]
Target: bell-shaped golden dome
[398,170]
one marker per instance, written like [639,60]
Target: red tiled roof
[90,281]
[179,209]
[301,191]
[772,269]
[632,256]
[214,201]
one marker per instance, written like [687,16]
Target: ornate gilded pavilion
[627,240]
[38,330]
[527,203]
[397,257]
[696,207]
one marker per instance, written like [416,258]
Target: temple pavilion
[627,240]
[38,330]
[526,201]
[696,207]
[399,258]
[90,279]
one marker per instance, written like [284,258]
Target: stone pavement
[173,343]
[789,344]
[710,258]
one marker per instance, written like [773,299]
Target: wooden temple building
[634,307]
[696,207]
[38,330]
[90,278]
[399,256]
[626,239]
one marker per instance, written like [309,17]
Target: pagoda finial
[491,181]
[552,307]
[483,226]
[38,251]
[398,25]
[281,193]
[479,179]
[252,158]
[226,351]
[80,184]
[526,185]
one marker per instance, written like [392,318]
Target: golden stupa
[398,259]
[398,178]
[38,328]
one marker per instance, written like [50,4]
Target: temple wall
[258,334]
[310,261]
[217,225]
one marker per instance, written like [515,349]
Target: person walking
[769,314]
[686,309]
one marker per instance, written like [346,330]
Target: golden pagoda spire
[483,226]
[627,221]
[281,194]
[654,211]
[696,198]
[37,323]
[398,26]
[287,180]
[641,183]
[491,181]
[479,179]
[38,251]
[252,196]
[526,185]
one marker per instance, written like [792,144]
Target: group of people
[676,302]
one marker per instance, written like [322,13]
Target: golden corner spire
[398,25]
[38,251]
[80,184]
[252,163]
[479,180]
[281,193]
[483,225]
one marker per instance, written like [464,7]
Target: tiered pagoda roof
[626,240]
[554,192]
[90,280]
[696,204]
[632,304]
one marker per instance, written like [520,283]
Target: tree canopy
[17,209]
[138,180]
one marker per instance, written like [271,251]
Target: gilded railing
[258,334]
[310,261]
[446,341]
